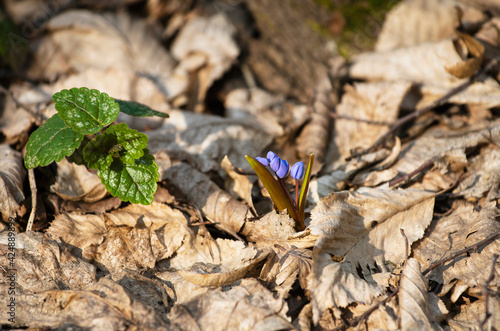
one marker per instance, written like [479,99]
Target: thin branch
[419,112]
[350,118]
[407,177]
[486,292]
[476,246]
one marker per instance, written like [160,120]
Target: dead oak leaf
[362,230]
[12,175]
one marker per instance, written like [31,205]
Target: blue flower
[262,160]
[297,170]
[271,156]
[283,169]
[275,162]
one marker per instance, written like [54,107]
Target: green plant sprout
[82,131]
[277,187]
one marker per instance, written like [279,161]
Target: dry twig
[487,291]
[419,112]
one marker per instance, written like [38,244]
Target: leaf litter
[401,236]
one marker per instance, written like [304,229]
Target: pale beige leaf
[237,185]
[417,21]
[462,228]
[77,183]
[245,307]
[471,315]
[113,308]
[362,229]
[376,102]
[334,284]
[204,140]
[14,121]
[217,205]
[226,262]
[271,228]
[483,175]
[41,265]
[12,174]
[414,307]
[422,63]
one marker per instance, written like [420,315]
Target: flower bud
[283,169]
[297,171]
[262,160]
[275,163]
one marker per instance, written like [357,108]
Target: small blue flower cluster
[281,167]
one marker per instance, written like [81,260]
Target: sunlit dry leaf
[363,229]
[415,310]
[239,185]
[209,41]
[14,122]
[271,228]
[75,183]
[233,263]
[471,316]
[216,205]
[12,174]
[41,265]
[204,140]
[375,102]
[472,52]
[462,228]
[385,317]
[412,23]
[112,309]
[271,113]
[244,307]
[483,175]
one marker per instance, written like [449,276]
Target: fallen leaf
[12,175]
[239,185]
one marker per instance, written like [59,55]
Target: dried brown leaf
[204,140]
[237,185]
[471,315]
[216,205]
[462,228]
[415,310]
[363,230]
[12,174]
[77,183]
[375,102]
[249,306]
[472,52]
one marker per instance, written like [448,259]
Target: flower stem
[296,192]
[283,187]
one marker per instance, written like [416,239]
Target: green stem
[283,187]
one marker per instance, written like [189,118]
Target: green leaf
[117,141]
[51,142]
[86,111]
[303,192]
[77,156]
[132,182]
[273,187]
[137,109]
[131,141]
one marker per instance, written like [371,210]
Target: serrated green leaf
[97,152]
[273,187]
[118,141]
[137,109]
[132,182]
[86,111]
[77,156]
[51,142]
[132,142]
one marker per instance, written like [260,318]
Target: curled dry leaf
[204,140]
[362,229]
[377,103]
[315,135]
[112,309]
[238,185]
[12,176]
[249,306]
[471,315]
[77,183]
[41,265]
[233,263]
[462,228]
[411,22]
[216,205]
[472,52]
[268,112]
[206,48]
[415,310]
